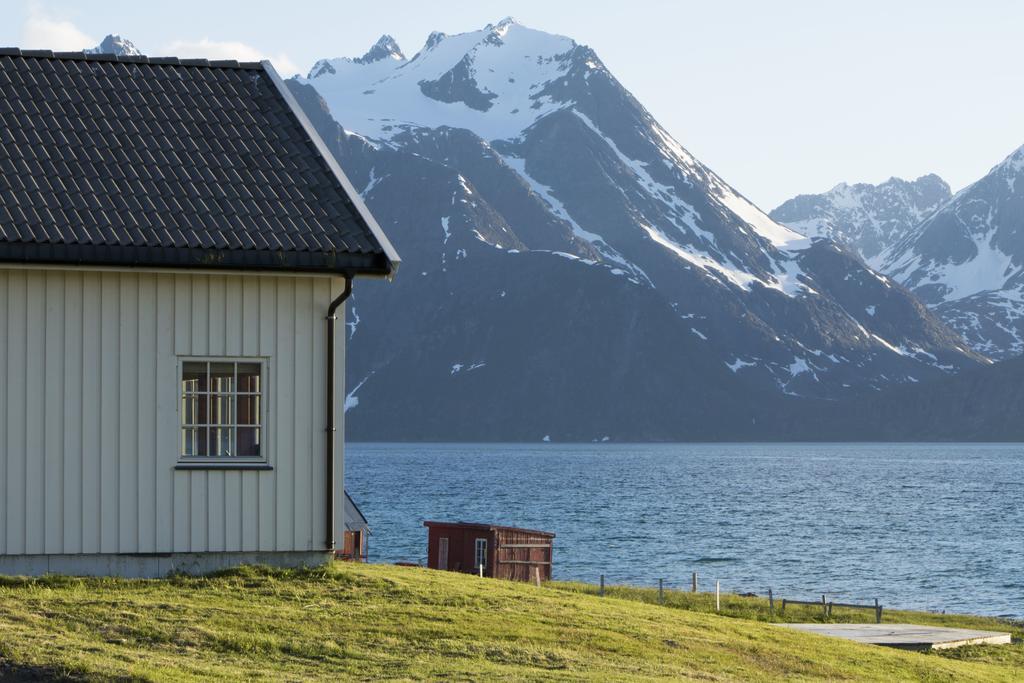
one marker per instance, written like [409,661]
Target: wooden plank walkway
[905,636]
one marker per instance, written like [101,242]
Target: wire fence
[767,606]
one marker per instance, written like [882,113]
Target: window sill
[223,465]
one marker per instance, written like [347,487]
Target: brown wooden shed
[505,552]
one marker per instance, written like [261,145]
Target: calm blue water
[921,526]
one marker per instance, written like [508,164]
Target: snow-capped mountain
[868,218]
[115,45]
[966,260]
[568,263]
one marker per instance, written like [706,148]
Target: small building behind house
[505,552]
[357,532]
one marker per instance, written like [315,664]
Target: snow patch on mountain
[354,323]
[987,270]
[351,400]
[738,364]
[779,235]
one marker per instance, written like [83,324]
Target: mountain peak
[869,218]
[502,25]
[384,48]
[114,44]
[496,32]
[434,38]
[1015,162]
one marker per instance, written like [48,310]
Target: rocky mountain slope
[480,338]
[868,218]
[567,262]
[966,260]
[979,404]
[571,272]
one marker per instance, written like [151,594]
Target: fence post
[661,591]
[824,607]
[783,610]
[601,592]
[718,596]
[878,612]
[771,605]
[693,588]
[536,576]
[481,570]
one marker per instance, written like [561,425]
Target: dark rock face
[868,218]
[569,270]
[458,85]
[500,185]
[321,68]
[967,260]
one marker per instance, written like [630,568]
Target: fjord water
[919,526]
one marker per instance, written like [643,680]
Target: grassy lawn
[374,622]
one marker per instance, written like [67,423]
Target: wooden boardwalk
[905,636]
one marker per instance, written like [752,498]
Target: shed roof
[488,527]
[354,518]
[161,162]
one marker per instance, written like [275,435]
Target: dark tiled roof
[141,161]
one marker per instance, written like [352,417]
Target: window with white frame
[222,403]
[481,553]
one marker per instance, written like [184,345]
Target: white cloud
[213,49]
[43,32]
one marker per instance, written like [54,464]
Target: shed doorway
[442,553]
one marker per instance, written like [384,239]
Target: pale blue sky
[778,97]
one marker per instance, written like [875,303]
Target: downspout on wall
[331,428]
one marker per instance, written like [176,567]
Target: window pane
[221,409]
[249,377]
[193,409]
[220,441]
[193,377]
[248,441]
[194,442]
[481,552]
[222,377]
[188,442]
[248,410]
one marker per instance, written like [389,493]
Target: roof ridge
[129,59]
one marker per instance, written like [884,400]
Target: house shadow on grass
[20,673]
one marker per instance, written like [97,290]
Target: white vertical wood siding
[89,423]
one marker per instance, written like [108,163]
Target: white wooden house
[175,245]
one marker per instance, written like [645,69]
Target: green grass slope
[381,622]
